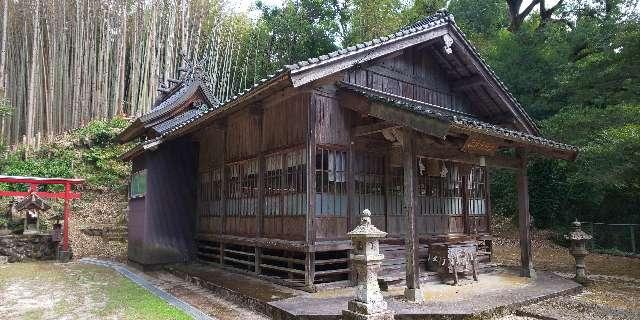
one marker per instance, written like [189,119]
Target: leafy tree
[373,18]
[296,31]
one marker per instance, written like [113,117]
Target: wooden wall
[414,74]
[278,125]
[333,137]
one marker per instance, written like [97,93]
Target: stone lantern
[578,249]
[366,259]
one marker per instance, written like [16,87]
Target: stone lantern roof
[366,229]
[577,233]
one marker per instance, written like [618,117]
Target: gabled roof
[438,26]
[459,120]
[168,107]
[32,202]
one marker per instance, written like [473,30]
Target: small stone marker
[579,251]
[366,259]
[4,259]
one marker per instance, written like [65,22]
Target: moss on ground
[46,290]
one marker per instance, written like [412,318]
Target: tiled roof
[167,125]
[243,93]
[436,20]
[453,117]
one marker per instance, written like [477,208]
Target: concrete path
[169,298]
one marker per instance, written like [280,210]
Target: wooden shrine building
[271,180]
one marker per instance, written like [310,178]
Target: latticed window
[285,183]
[439,188]
[204,193]
[242,188]
[477,190]
[369,183]
[331,186]
[295,188]
[395,191]
[209,193]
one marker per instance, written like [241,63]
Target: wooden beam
[411,120]
[524,218]
[466,83]
[435,151]
[491,82]
[368,129]
[412,273]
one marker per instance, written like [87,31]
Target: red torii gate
[34,182]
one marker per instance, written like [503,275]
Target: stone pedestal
[366,259]
[579,251]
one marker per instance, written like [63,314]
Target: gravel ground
[614,292]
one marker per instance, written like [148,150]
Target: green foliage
[373,18]
[293,32]
[90,152]
[5,107]
[480,18]
[602,185]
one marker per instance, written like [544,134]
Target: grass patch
[136,302]
[77,291]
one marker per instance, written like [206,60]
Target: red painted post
[65,230]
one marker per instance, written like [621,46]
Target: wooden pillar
[260,179]
[260,185]
[524,218]
[223,190]
[412,291]
[223,182]
[464,186]
[310,231]
[352,213]
[487,210]
[386,188]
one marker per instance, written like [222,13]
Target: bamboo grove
[66,62]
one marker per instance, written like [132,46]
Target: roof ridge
[440,14]
[440,17]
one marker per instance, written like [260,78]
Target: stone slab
[495,292]
[441,301]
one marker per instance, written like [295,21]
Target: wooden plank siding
[237,144]
[414,74]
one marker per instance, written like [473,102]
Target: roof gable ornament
[448,41]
